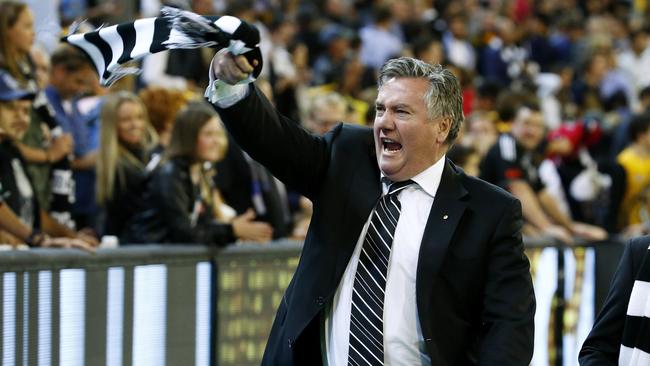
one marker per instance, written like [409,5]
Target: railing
[195,305]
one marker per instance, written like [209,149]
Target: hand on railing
[68,243]
[588,232]
[246,229]
[559,233]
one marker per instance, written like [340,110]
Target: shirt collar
[428,179]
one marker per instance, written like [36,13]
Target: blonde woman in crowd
[125,146]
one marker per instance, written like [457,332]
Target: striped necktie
[367,313]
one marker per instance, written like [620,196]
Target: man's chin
[390,173]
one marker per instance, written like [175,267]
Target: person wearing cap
[16,189]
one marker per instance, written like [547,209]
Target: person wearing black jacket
[127,139]
[183,205]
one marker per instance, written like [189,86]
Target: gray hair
[443,98]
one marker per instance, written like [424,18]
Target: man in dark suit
[407,261]
[620,335]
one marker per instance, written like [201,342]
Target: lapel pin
[445,217]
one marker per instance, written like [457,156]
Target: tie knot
[395,187]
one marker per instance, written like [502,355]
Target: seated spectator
[124,151]
[429,50]
[16,189]
[183,206]
[245,184]
[12,225]
[324,112]
[29,66]
[513,163]
[635,159]
[481,131]
[381,40]
[72,75]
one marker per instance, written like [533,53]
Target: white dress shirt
[403,340]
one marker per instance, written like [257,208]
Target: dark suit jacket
[603,344]
[474,293]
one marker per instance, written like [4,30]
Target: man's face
[407,140]
[14,118]
[72,83]
[528,129]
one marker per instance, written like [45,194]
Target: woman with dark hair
[17,36]
[184,206]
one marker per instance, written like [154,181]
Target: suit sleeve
[509,301]
[292,154]
[603,343]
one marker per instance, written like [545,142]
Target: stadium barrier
[196,305]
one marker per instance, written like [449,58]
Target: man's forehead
[530,116]
[399,88]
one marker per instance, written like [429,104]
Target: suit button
[320,301]
[290,342]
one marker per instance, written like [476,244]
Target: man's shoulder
[484,191]
[350,135]
[639,245]
[353,129]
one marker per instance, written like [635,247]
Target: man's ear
[444,126]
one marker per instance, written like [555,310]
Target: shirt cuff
[224,95]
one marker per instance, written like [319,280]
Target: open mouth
[390,145]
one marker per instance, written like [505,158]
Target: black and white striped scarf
[635,343]
[111,47]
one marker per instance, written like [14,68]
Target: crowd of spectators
[556,96]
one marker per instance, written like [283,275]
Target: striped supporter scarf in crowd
[111,47]
[635,344]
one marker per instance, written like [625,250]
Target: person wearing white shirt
[424,268]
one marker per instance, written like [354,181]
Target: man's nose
[384,121]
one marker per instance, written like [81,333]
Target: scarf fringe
[119,73]
[189,30]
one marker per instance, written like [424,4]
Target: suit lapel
[447,209]
[365,190]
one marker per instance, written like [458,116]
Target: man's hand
[588,232]
[559,233]
[88,238]
[246,229]
[61,146]
[229,68]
